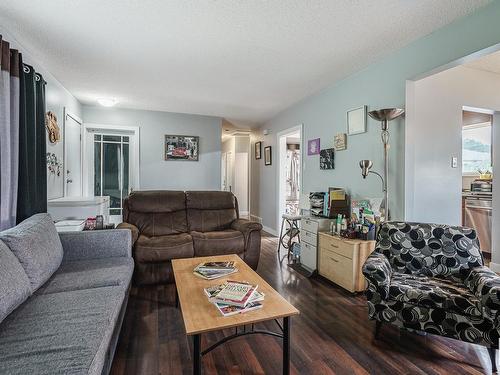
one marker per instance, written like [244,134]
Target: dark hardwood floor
[332,335]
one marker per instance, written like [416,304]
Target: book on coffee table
[212,291]
[214,270]
[228,310]
[235,293]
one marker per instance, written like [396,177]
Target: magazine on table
[228,310]
[214,270]
[235,293]
[212,291]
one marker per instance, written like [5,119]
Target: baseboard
[270,231]
[495,267]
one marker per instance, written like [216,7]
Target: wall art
[356,120]
[327,158]
[267,155]
[340,142]
[182,147]
[258,150]
[313,146]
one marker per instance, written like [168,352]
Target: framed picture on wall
[327,158]
[356,120]
[258,150]
[182,147]
[267,155]
[313,146]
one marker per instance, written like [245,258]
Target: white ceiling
[243,60]
[489,63]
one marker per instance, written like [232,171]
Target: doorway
[72,155]
[111,165]
[289,171]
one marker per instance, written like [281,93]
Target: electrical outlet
[454,162]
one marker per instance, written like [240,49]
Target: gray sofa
[62,298]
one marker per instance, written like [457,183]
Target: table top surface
[200,315]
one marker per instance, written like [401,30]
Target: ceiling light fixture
[107,102]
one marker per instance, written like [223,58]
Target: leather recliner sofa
[168,225]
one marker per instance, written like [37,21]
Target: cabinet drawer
[308,255]
[309,225]
[309,237]
[337,268]
[338,246]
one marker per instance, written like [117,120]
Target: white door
[72,156]
[111,165]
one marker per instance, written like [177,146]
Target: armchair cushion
[485,285]
[378,272]
[163,248]
[218,243]
[245,226]
[433,292]
[133,229]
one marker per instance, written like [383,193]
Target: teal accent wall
[381,84]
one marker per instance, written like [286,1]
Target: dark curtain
[32,187]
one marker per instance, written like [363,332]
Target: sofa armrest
[246,226]
[485,285]
[96,244]
[132,228]
[378,271]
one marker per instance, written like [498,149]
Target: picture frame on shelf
[267,155]
[258,150]
[356,120]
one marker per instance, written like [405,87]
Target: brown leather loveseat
[168,225]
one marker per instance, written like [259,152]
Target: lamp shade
[365,166]
[386,114]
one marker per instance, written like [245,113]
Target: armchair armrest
[96,244]
[377,271]
[485,285]
[132,228]
[246,226]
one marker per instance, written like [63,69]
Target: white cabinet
[309,228]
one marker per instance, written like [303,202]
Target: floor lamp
[384,116]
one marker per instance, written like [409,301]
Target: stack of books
[214,270]
[235,297]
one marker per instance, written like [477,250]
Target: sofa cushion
[91,273]
[163,248]
[60,333]
[434,292]
[209,211]
[14,283]
[36,244]
[157,213]
[218,243]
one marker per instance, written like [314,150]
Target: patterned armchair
[431,278]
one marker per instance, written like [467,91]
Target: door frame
[279,145]
[77,119]
[136,149]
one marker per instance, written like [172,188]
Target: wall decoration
[327,159]
[356,120]
[52,127]
[267,155]
[181,147]
[258,150]
[340,142]
[313,146]
[53,164]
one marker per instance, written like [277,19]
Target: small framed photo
[356,120]
[181,147]
[258,150]
[340,142]
[327,159]
[267,155]
[313,146]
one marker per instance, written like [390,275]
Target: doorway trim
[68,114]
[282,134]
[135,130]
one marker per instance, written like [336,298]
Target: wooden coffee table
[201,316]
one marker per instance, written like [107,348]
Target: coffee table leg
[286,345]
[197,354]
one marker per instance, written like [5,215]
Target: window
[476,148]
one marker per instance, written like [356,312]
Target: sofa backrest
[429,249]
[211,210]
[156,212]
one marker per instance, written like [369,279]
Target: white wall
[155,172]
[57,98]
[434,134]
